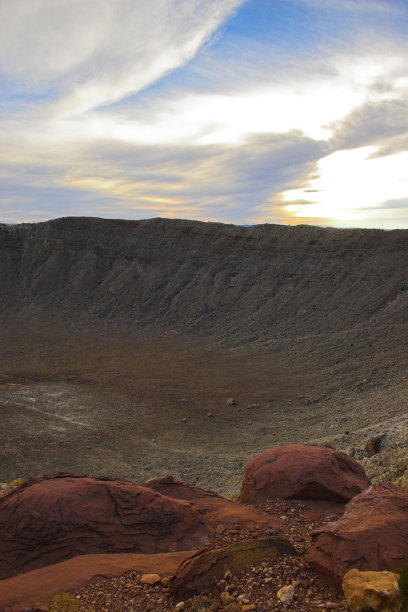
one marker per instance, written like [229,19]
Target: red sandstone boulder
[198,573]
[302,472]
[372,535]
[218,511]
[55,517]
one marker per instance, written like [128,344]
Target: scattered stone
[210,415]
[231,401]
[286,593]
[253,406]
[150,579]
[299,471]
[125,593]
[273,532]
[371,535]
[377,591]
[6,487]
[373,445]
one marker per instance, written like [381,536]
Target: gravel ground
[255,588]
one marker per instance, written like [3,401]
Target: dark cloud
[392,146]
[383,124]
[400,204]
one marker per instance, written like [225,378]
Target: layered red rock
[217,510]
[298,471]
[372,535]
[36,588]
[56,517]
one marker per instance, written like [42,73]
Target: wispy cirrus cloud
[362,6]
[94,52]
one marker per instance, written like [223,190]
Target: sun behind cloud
[352,186]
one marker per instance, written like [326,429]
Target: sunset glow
[349,185]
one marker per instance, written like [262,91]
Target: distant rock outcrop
[298,471]
[211,278]
[371,535]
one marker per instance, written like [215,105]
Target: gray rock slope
[222,280]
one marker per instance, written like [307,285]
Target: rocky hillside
[135,349]
[113,545]
[232,282]
[122,341]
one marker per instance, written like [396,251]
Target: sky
[257,111]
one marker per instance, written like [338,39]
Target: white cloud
[319,101]
[42,40]
[355,6]
[98,51]
[224,140]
